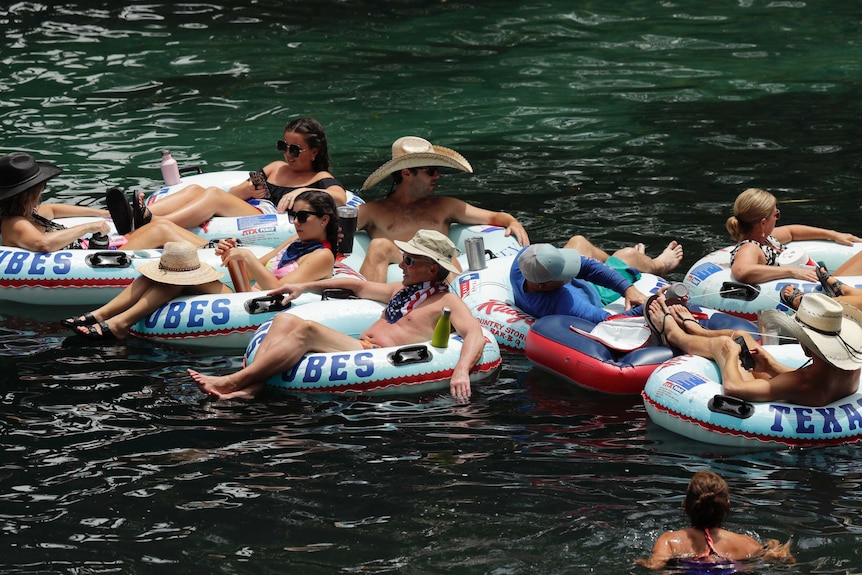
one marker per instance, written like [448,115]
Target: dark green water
[624,121]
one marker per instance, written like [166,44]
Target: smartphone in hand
[744,354]
[257,179]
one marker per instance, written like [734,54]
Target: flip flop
[121,210]
[823,276]
[789,297]
[105,335]
[658,333]
[143,216]
[73,322]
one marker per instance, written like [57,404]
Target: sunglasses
[410,260]
[293,149]
[302,215]
[431,170]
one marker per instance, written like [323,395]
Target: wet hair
[750,207]
[22,204]
[315,137]
[707,502]
[323,203]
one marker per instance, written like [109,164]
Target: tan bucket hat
[431,244]
[415,152]
[180,265]
[830,329]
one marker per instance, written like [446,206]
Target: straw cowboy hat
[830,329]
[20,172]
[414,152]
[431,244]
[179,265]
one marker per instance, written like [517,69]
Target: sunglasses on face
[430,170]
[410,260]
[293,149]
[301,216]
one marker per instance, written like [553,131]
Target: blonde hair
[750,207]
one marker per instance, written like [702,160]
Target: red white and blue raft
[615,356]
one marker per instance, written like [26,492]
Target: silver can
[475,248]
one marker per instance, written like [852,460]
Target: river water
[624,121]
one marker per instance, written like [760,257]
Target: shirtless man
[412,204]
[414,306]
[830,334]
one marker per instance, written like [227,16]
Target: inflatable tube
[488,294]
[393,370]
[264,229]
[710,282]
[224,321]
[684,395]
[79,277]
[591,363]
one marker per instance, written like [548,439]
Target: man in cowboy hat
[414,306]
[830,334]
[412,205]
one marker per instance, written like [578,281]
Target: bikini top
[711,552]
[772,248]
[277,192]
[52,226]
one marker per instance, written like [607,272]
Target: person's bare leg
[587,248]
[663,263]
[288,339]
[157,233]
[381,252]
[198,208]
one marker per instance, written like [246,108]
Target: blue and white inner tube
[390,370]
[685,396]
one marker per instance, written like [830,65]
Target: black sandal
[73,322]
[105,335]
[823,276]
[658,333]
[789,295]
[120,209]
[143,216]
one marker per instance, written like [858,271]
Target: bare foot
[669,258]
[683,316]
[640,248]
[222,386]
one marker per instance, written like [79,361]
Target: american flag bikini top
[409,297]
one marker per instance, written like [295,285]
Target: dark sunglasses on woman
[293,149]
[302,215]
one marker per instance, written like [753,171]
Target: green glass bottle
[442,330]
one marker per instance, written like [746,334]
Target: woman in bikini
[27,223]
[707,504]
[754,259]
[305,166]
[307,256]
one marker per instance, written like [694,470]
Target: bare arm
[52,211]
[749,266]
[471,350]
[786,234]
[662,552]
[465,213]
[20,232]
[364,289]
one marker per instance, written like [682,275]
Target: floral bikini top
[771,248]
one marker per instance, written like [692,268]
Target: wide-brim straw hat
[180,265]
[830,329]
[20,171]
[431,244]
[415,152]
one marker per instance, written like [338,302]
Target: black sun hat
[20,171]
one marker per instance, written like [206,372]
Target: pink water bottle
[170,170]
